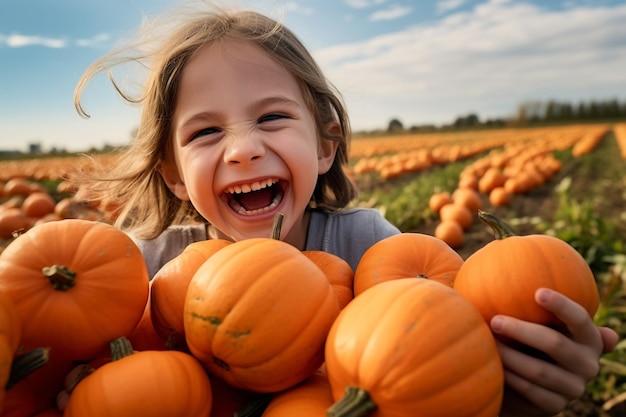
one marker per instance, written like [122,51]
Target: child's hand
[539,387]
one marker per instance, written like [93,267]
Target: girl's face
[245,143]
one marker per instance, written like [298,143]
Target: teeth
[255,186]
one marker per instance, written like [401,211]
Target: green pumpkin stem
[120,348]
[61,277]
[26,363]
[255,407]
[277,226]
[355,403]
[501,230]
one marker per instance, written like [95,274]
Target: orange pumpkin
[310,398]
[12,222]
[406,255]
[169,288]
[438,200]
[228,400]
[469,198]
[37,391]
[450,232]
[459,213]
[75,284]
[257,313]
[148,383]
[38,204]
[503,276]
[338,271]
[388,354]
[144,336]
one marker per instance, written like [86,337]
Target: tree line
[562,111]
[531,112]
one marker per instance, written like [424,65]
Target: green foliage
[406,204]
[579,224]
[598,241]
[611,380]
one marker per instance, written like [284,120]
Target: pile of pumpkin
[260,328]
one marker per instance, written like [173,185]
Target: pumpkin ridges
[111,282]
[503,276]
[249,290]
[406,255]
[339,273]
[377,344]
[310,398]
[169,289]
[130,384]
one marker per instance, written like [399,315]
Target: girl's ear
[327,149]
[171,176]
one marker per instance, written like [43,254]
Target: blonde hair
[147,206]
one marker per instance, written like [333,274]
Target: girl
[239,124]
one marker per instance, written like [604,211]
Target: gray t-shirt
[346,233]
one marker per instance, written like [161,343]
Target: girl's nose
[243,149]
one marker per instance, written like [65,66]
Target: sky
[418,61]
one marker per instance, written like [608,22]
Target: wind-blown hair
[146,205]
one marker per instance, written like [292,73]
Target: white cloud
[445,6]
[391,13]
[487,61]
[293,7]
[20,41]
[95,40]
[363,4]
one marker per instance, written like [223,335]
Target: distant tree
[467,121]
[395,125]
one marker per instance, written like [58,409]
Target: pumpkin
[75,284]
[406,255]
[50,412]
[338,271]
[228,400]
[503,276]
[38,390]
[38,204]
[147,383]
[413,347]
[169,288]
[13,221]
[438,200]
[469,198]
[310,398]
[499,197]
[257,313]
[450,232]
[457,212]
[144,336]
[10,326]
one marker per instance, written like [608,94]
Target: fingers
[538,380]
[577,320]
[609,339]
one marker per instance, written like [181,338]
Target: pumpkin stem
[501,230]
[26,363]
[255,407]
[355,403]
[276,227]
[61,277]
[120,348]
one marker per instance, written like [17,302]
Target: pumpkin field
[565,181]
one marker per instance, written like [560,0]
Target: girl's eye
[205,132]
[271,117]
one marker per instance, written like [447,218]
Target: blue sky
[421,61]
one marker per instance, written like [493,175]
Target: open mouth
[255,198]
